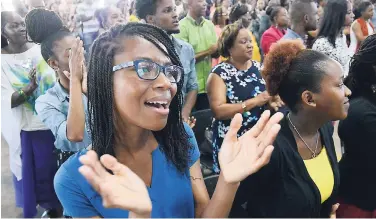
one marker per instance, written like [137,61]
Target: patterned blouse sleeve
[220,71]
[321,45]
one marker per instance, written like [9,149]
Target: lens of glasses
[147,70]
[174,73]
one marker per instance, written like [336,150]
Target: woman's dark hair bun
[269,10]
[42,23]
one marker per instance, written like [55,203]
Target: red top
[270,36]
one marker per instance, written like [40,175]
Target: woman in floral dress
[235,86]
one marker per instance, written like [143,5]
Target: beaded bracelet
[22,94]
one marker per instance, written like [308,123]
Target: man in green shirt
[200,33]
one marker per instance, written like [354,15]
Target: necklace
[314,152]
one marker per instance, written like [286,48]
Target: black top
[358,165]
[284,188]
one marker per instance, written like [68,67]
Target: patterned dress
[241,86]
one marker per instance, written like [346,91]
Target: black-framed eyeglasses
[149,70]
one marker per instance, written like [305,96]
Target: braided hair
[362,74]
[45,27]
[102,114]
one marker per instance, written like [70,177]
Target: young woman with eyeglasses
[149,161]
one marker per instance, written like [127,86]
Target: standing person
[200,33]
[235,86]
[241,13]
[88,24]
[162,13]
[24,77]
[362,26]
[108,17]
[357,190]
[280,21]
[134,87]
[302,177]
[220,20]
[63,108]
[331,40]
[374,13]
[303,18]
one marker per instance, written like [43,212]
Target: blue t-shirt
[170,192]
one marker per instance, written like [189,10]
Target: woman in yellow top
[241,12]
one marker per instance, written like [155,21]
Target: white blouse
[341,53]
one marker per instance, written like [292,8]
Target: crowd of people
[97,105]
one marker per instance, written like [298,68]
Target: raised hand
[30,88]
[123,189]
[241,157]
[76,60]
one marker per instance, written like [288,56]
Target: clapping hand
[76,61]
[241,157]
[123,189]
[32,85]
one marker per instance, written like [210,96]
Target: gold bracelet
[244,107]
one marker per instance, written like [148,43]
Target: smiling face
[332,100]
[138,101]
[14,29]
[114,17]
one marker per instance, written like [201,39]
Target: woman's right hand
[76,60]
[30,88]
[263,98]
[123,189]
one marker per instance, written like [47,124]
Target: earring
[373,87]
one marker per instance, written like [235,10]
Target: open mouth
[157,104]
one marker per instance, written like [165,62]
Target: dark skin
[308,23]
[167,19]
[68,62]
[366,15]
[197,9]
[317,109]
[241,55]
[15,32]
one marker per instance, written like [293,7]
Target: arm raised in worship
[238,158]
[76,111]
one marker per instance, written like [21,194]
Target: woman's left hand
[241,157]
[275,103]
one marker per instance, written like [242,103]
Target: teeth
[158,102]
